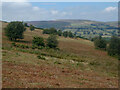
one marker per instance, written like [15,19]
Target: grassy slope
[77,64]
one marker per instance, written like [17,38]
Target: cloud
[36,8]
[25,11]
[22,11]
[14,0]
[54,12]
[110,9]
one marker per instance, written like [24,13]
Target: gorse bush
[14,30]
[52,41]
[38,41]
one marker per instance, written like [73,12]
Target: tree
[14,30]
[70,34]
[114,46]
[25,24]
[50,31]
[38,41]
[52,41]
[100,43]
[59,33]
[32,27]
[53,31]
[65,34]
[46,31]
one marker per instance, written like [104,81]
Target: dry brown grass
[22,69]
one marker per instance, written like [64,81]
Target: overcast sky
[37,11]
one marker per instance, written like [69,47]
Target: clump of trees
[38,41]
[50,31]
[51,42]
[112,47]
[59,32]
[14,30]
[100,43]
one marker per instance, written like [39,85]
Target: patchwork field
[76,65]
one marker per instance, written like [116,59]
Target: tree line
[58,32]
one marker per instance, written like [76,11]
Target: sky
[42,11]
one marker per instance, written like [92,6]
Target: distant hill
[83,28]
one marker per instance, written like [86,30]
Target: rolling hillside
[76,65]
[83,28]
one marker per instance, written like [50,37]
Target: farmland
[83,28]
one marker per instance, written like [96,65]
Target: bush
[32,27]
[13,44]
[65,34]
[50,31]
[38,41]
[114,47]
[57,62]
[40,47]
[70,34]
[41,57]
[25,24]
[14,30]
[22,46]
[59,33]
[100,43]
[52,41]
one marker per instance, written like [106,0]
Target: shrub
[13,44]
[32,27]
[65,34]
[41,57]
[34,46]
[50,31]
[25,24]
[95,63]
[21,46]
[56,62]
[70,34]
[100,43]
[40,47]
[53,31]
[38,41]
[114,47]
[59,33]
[52,41]
[14,30]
